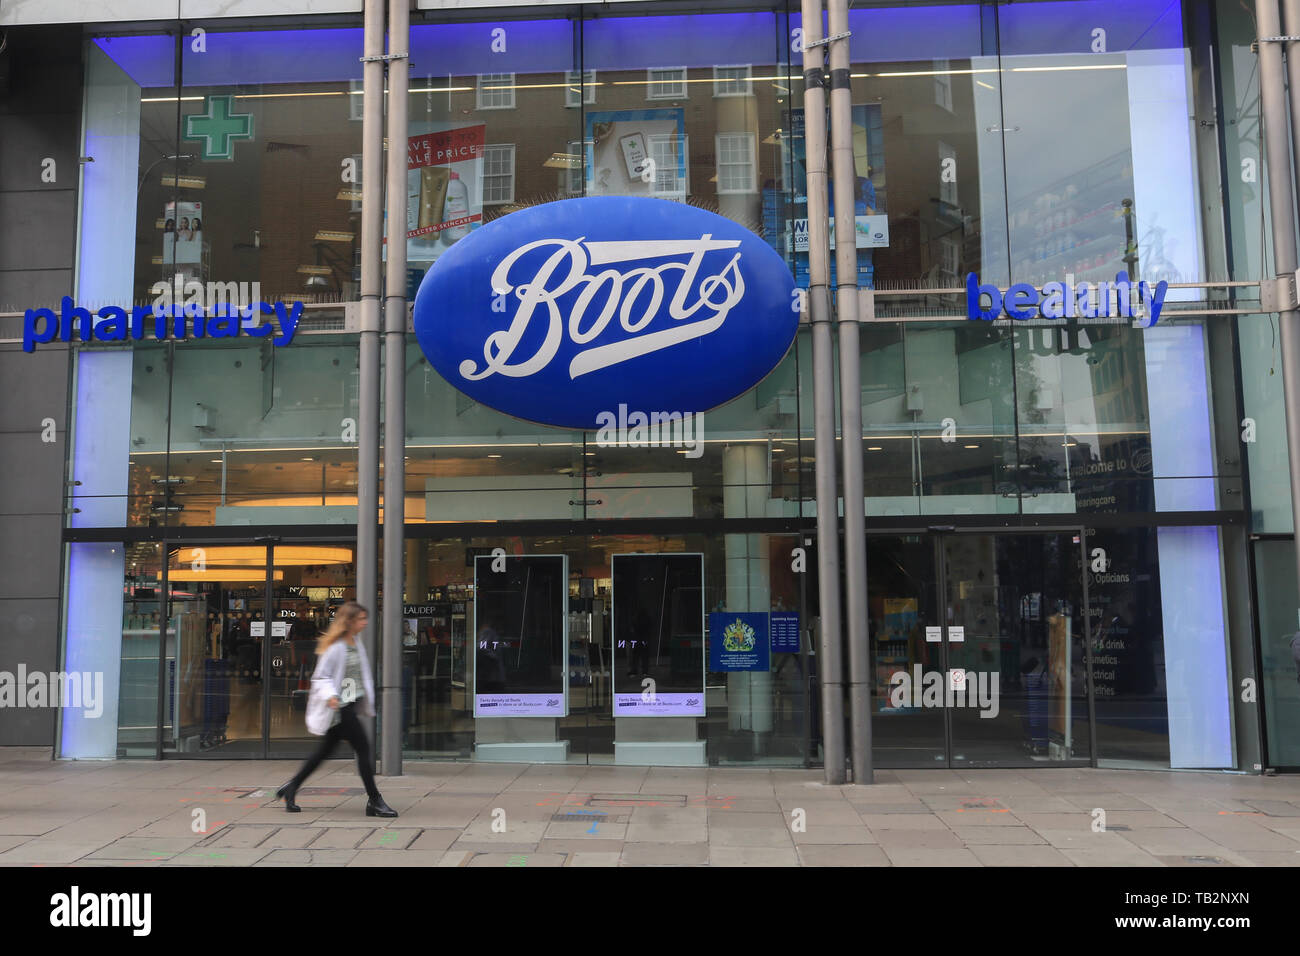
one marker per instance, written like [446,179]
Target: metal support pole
[830,653]
[1273,107]
[390,695]
[844,182]
[372,224]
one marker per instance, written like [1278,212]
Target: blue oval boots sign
[563,311]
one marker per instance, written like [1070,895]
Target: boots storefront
[611,548]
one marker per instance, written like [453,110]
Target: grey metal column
[372,224]
[390,695]
[830,654]
[1273,105]
[844,182]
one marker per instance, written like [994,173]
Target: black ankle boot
[288,792]
[375,807]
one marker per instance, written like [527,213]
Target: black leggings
[348,728]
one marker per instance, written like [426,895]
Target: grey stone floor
[224,813]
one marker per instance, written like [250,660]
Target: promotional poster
[183,233]
[871,224]
[658,625]
[637,153]
[444,189]
[520,638]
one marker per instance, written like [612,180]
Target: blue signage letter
[974,292]
[1020,301]
[32,338]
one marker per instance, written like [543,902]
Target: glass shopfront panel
[471,626]
[243,166]
[978,650]
[241,624]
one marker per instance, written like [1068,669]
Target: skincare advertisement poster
[444,189]
[637,153]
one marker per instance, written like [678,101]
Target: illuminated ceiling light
[184,182]
[353,195]
[287,96]
[494,456]
[253,555]
[563,161]
[316,270]
[869,448]
[248,575]
[331,235]
[970,446]
[933,72]
[1057,69]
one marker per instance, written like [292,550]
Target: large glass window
[1019,142]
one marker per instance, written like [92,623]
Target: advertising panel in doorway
[520,638]
[658,623]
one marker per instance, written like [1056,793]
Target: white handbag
[320,716]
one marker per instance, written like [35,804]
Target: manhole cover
[636,800]
[580,816]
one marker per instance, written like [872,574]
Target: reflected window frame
[495,91]
[659,87]
[726,82]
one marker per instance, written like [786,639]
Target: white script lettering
[566,270]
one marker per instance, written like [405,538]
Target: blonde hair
[340,626]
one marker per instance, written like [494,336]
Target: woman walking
[343,666]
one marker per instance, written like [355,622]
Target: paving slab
[921,856]
[943,839]
[1020,856]
[998,836]
[751,856]
[367,857]
[814,854]
[665,854]
[309,857]
[526,860]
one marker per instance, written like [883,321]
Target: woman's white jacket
[331,669]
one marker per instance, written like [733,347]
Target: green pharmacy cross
[218,126]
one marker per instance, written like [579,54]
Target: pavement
[224,813]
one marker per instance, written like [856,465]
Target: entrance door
[309,582]
[243,623]
[978,649]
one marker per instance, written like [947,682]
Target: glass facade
[1044,499]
